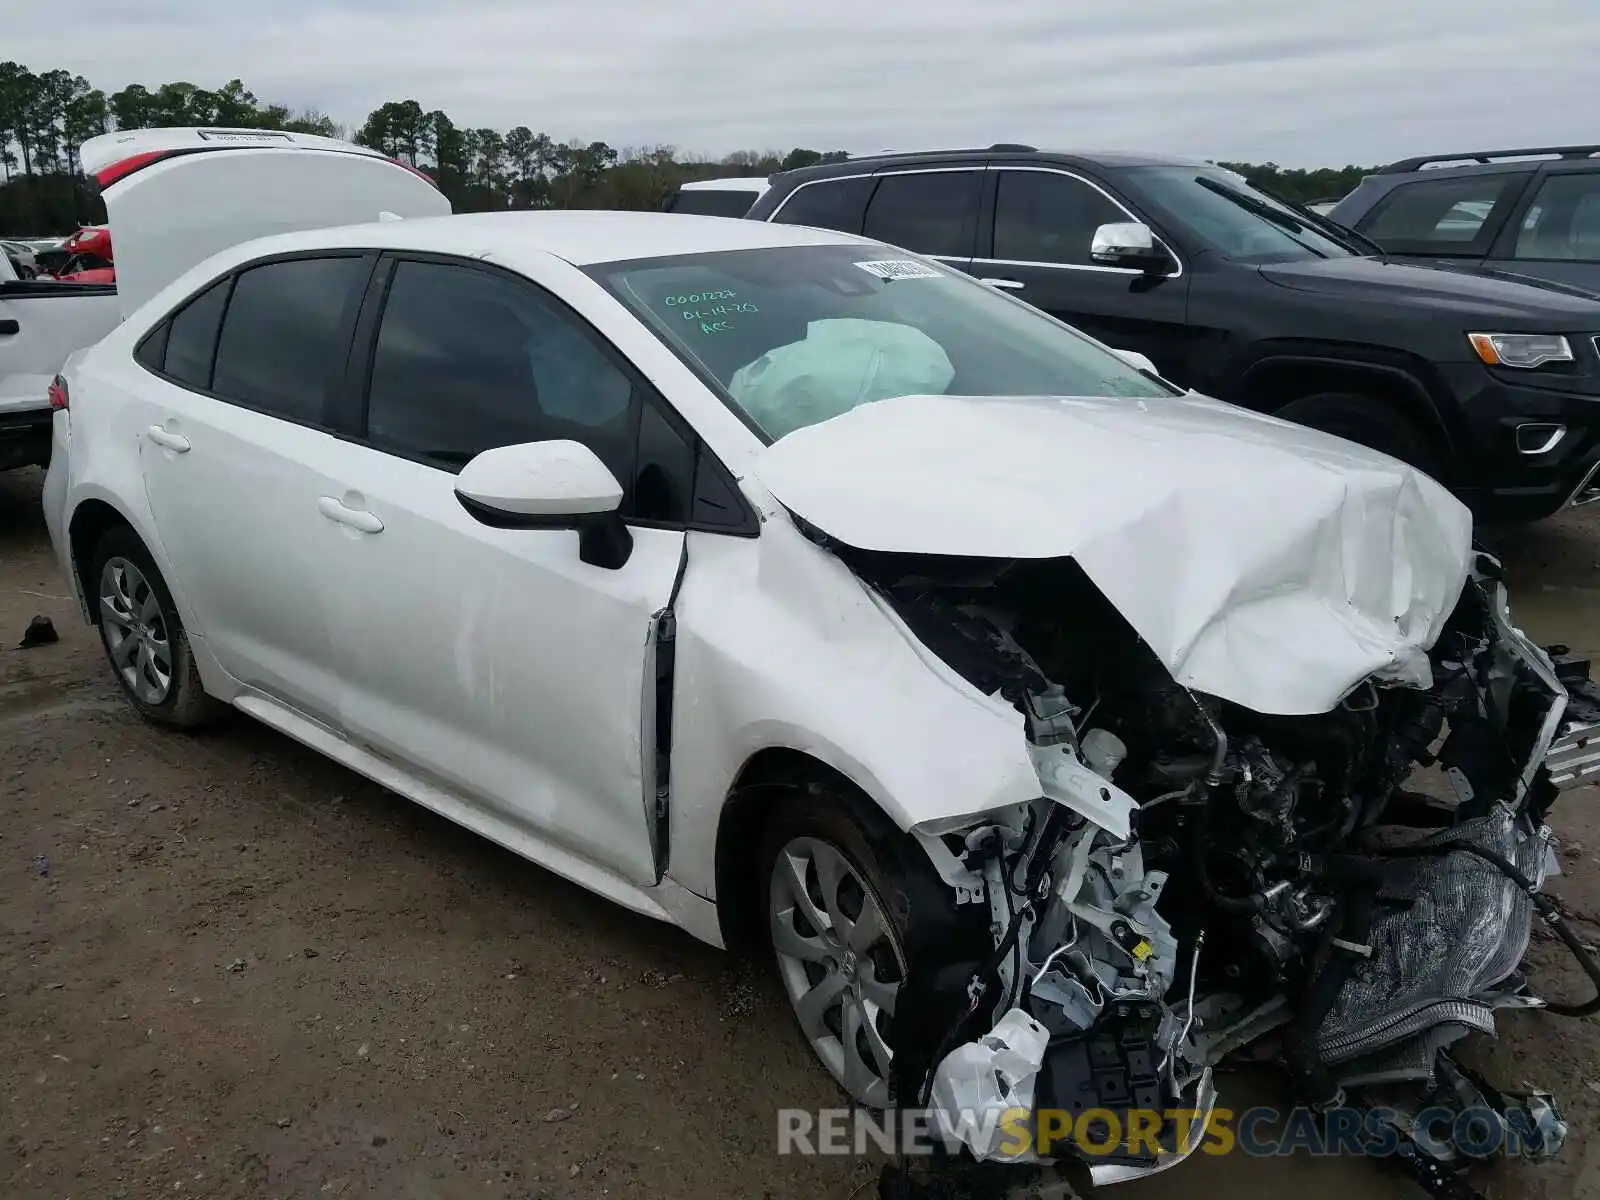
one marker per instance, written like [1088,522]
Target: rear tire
[1368,421]
[143,634]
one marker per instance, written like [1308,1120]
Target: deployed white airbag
[841,363]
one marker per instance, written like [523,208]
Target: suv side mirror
[549,485]
[1131,244]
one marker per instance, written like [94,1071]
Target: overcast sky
[1304,85]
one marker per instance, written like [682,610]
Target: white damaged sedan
[785,586]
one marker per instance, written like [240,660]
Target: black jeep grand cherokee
[1492,386]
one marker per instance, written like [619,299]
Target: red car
[89,257]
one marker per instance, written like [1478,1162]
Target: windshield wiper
[1349,238]
[1287,222]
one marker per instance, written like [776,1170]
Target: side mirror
[549,485]
[1131,244]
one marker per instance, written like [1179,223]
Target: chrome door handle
[168,440]
[1011,285]
[356,518]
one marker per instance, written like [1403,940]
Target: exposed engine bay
[1346,894]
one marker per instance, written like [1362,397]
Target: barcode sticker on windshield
[899,268]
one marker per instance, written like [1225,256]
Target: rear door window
[1442,216]
[283,342]
[1563,222]
[828,204]
[1048,217]
[930,212]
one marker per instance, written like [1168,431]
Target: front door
[1038,250]
[497,661]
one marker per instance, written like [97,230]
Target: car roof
[581,237]
[1003,153]
[732,183]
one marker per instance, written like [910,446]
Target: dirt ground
[230,968]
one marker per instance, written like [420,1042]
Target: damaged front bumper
[1191,1126]
[1096,1044]
[1102,1099]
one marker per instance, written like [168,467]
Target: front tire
[143,634]
[862,930]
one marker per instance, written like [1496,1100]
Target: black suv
[1511,212]
[1491,385]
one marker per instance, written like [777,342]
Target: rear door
[1037,245]
[934,211]
[931,210]
[1555,232]
[237,456]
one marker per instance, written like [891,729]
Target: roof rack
[998,147]
[1486,156]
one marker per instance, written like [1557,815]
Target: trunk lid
[175,197]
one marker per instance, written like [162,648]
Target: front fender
[780,645]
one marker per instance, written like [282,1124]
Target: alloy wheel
[840,962]
[136,631]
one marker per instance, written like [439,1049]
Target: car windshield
[1234,218]
[795,335]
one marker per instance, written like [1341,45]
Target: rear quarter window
[839,204]
[191,340]
[151,352]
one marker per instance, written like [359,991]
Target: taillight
[58,392]
[123,167]
[418,172]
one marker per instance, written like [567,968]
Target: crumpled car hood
[1264,563]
